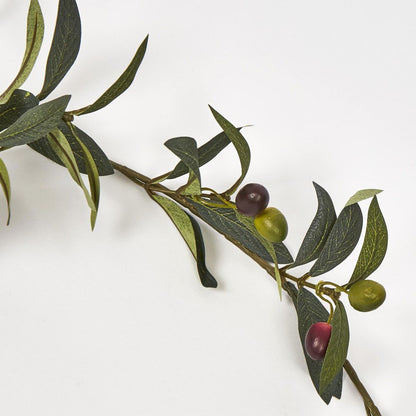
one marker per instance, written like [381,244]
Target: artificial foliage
[240,213]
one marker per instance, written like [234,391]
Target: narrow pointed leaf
[375,244]
[19,102]
[319,229]
[240,144]
[122,83]
[342,240]
[65,46]
[337,350]
[5,184]
[43,147]
[62,148]
[35,123]
[310,311]
[192,235]
[93,175]
[185,148]
[362,195]
[206,153]
[34,37]
[225,221]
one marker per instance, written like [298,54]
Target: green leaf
[43,147]
[362,195]
[342,240]
[225,221]
[310,311]
[319,229]
[185,148]
[65,46]
[35,123]
[375,244]
[5,184]
[34,37]
[191,233]
[19,102]
[206,153]
[93,175]
[62,148]
[240,145]
[337,350]
[122,83]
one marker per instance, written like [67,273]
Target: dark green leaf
[62,148]
[34,37]
[35,123]
[19,102]
[43,147]
[375,244]
[206,153]
[93,175]
[185,148]
[5,184]
[240,145]
[120,85]
[191,233]
[310,310]
[336,354]
[225,221]
[342,240]
[363,194]
[319,229]
[65,46]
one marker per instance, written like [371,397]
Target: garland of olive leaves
[48,129]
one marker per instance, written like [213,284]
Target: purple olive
[317,339]
[252,199]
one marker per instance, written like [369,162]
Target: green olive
[271,224]
[366,295]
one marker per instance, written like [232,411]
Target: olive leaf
[35,123]
[60,145]
[310,311]
[186,149]
[34,37]
[225,221]
[191,233]
[342,240]
[206,153]
[337,350]
[240,144]
[122,83]
[43,147]
[374,246]
[5,184]
[19,102]
[249,224]
[319,229]
[65,46]
[93,175]
[362,195]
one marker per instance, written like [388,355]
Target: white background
[115,322]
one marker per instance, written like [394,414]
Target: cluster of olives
[364,296]
[252,200]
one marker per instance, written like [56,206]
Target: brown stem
[146,183]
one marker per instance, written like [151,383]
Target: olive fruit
[317,339]
[271,224]
[252,199]
[366,295]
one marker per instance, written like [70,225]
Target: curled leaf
[34,37]
[5,184]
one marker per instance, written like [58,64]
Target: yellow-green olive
[366,295]
[271,224]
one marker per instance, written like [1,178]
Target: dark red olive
[252,199]
[317,339]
